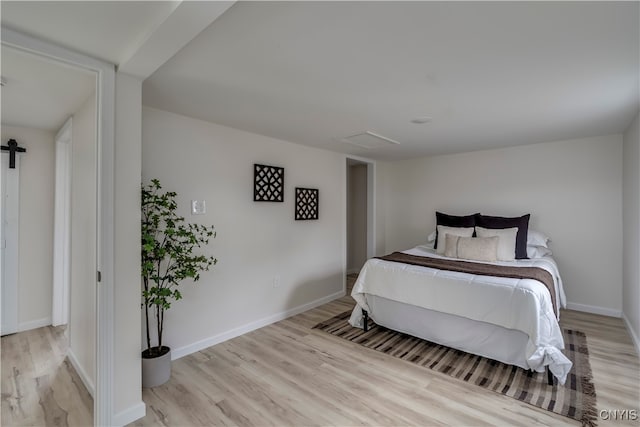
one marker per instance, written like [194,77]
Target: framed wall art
[268,183]
[307,203]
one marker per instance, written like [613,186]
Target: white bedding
[520,304]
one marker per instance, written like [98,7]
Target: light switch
[198,207]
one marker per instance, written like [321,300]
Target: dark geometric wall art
[307,202]
[268,183]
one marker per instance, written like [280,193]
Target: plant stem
[146,311]
[160,324]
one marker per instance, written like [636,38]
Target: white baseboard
[241,330]
[81,372]
[632,332]
[130,414]
[604,311]
[34,324]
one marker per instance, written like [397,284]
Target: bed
[511,320]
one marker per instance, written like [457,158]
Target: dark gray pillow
[455,221]
[499,222]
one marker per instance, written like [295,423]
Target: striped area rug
[575,399]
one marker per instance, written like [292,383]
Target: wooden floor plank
[321,379]
[290,374]
[39,385]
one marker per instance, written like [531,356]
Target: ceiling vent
[369,140]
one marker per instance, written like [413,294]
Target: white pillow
[432,237]
[507,243]
[536,238]
[456,231]
[537,251]
[473,248]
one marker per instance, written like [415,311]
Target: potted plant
[169,244]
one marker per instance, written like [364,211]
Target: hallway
[39,384]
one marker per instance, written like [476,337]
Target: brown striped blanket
[535,273]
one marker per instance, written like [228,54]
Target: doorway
[102,269]
[360,191]
[62,225]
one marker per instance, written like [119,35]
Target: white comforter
[520,304]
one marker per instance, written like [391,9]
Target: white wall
[631,226]
[128,159]
[356,216]
[82,322]
[35,270]
[257,241]
[571,188]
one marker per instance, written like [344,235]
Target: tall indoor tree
[169,256]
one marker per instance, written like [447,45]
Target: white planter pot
[156,370]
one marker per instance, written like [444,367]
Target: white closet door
[9,274]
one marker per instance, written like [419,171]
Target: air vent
[369,140]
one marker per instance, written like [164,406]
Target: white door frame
[371,209]
[371,202]
[10,181]
[105,111]
[62,226]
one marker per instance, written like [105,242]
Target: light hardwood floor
[289,374]
[39,385]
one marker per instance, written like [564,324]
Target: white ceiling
[40,93]
[107,30]
[137,37]
[488,74]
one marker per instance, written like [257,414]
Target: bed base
[550,378]
[365,316]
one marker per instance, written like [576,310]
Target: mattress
[522,305]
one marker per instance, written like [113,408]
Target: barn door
[9,244]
